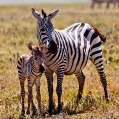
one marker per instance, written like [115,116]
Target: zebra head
[37,55]
[45,29]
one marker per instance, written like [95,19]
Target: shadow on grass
[74,107]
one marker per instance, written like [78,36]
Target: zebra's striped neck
[55,39]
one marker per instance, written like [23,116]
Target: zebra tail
[102,37]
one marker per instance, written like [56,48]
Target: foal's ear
[36,14]
[29,45]
[53,14]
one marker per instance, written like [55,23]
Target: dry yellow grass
[18,27]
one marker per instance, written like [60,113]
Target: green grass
[18,27]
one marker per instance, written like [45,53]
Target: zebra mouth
[52,48]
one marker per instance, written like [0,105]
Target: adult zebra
[67,52]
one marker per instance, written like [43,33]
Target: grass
[18,27]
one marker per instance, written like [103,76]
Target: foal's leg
[38,96]
[22,80]
[30,96]
[33,108]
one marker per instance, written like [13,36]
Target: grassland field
[18,27]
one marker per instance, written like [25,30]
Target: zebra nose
[48,47]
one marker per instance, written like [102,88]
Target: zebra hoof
[33,113]
[79,96]
[28,112]
[50,112]
[23,113]
[42,113]
[59,109]
[51,108]
[22,116]
[107,100]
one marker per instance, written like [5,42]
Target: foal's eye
[42,29]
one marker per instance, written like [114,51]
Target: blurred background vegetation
[18,27]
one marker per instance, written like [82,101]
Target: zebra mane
[43,13]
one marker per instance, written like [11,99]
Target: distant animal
[99,2]
[30,67]
[67,51]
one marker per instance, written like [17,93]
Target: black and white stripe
[67,52]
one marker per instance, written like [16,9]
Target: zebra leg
[92,5]
[60,75]
[103,81]
[114,4]
[81,80]
[98,62]
[22,80]
[99,5]
[30,97]
[108,3]
[38,96]
[33,107]
[50,91]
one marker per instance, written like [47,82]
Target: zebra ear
[36,14]
[43,13]
[53,14]
[29,45]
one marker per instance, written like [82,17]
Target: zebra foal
[30,67]
[67,51]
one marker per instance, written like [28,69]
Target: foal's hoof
[59,109]
[107,100]
[23,114]
[28,112]
[33,113]
[44,113]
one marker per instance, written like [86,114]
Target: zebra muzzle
[48,45]
[51,46]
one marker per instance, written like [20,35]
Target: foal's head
[37,54]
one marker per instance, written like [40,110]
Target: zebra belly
[77,69]
[76,64]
